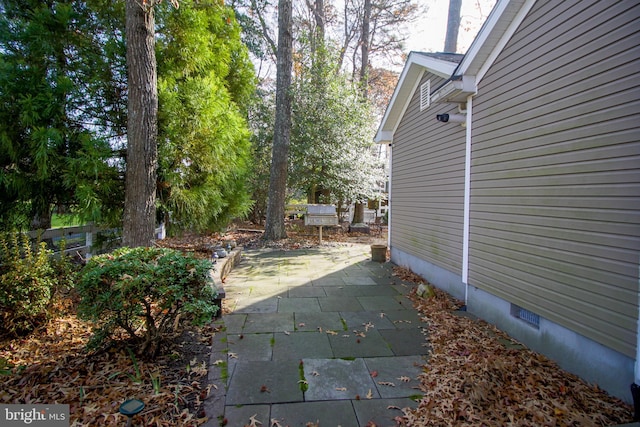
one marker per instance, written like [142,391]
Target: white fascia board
[412,73]
[384,137]
[456,90]
[436,66]
[503,21]
[516,18]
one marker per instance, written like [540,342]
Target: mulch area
[474,377]
[51,365]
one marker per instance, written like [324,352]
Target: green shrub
[65,269]
[144,293]
[26,283]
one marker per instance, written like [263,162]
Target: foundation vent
[531,318]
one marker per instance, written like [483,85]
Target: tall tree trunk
[358,210]
[364,49]
[41,220]
[358,213]
[453,25]
[274,227]
[142,126]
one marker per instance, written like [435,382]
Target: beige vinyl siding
[555,178]
[428,185]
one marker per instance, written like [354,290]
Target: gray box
[321,215]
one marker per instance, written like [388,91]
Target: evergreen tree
[205,84]
[50,150]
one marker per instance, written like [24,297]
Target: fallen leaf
[387,383]
[332,333]
[404,379]
[253,422]
[369,395]
[275,423]
[315,374]
[287,333]
[341,389]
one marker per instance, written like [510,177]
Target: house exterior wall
[554,192]
[555,175]
[427,187]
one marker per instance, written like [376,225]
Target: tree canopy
[205,83]
[63,111]
[52,152]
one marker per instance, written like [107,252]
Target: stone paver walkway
[321,335]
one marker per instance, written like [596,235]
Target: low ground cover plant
[143,294]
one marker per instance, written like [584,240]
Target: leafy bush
[26,282]
[144,293]
[65,269]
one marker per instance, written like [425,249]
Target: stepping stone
[268,322]
[382,303]
[340,304]
[256,305]
[357,320]
[306,292]
[233,322]
[360,280]
[340,413]
[250,346]
[290,305]
[241,415]
[391,370]
[293,280]
[337,379]
[405,342]
[405,319]
[329,281]
[381,412]
[267,291]
[356,291]
[299,345]
[264,382]
[312,321]
[371,345]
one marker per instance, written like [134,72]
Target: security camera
[453,118]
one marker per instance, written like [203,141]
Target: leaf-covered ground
[52,366]
[476,375]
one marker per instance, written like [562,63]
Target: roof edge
[417,63]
